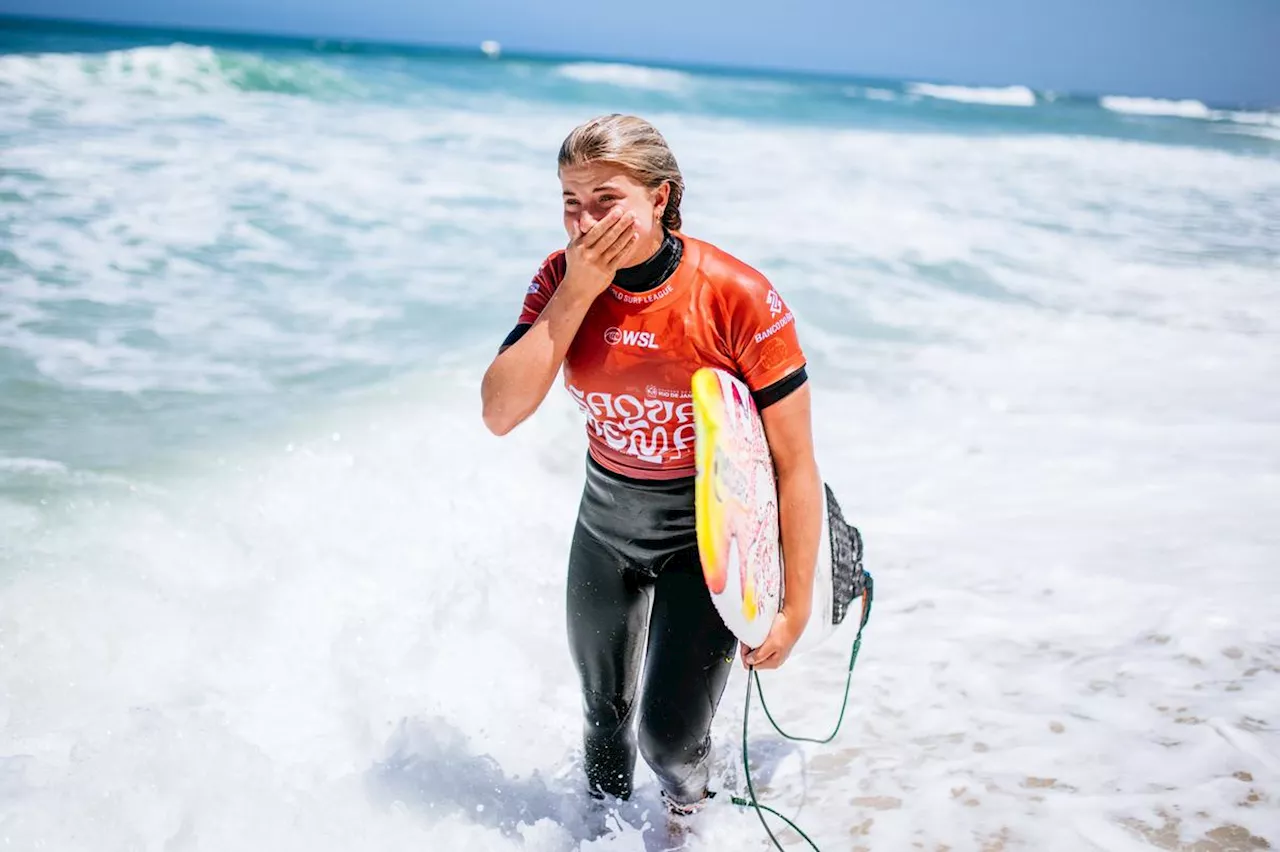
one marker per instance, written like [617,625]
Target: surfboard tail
[839,578]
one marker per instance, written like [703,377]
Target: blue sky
[1223,51]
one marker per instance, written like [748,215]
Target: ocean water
[267,583]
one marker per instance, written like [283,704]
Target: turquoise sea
[267,583]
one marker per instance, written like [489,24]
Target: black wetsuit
[636,596]
[649,646]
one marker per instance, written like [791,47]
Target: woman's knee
[606,715]
[672,753]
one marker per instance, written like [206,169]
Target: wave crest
[1265,125]
[628,76]
[1019,96]
[1155,106]
[178,69]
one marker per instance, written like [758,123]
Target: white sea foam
[1265,125]
[630,76]
[871,94]
[993,96]
[1270,119]
[36,466]
[1254,123]
[241,307]
[171,71]
[1261,132]
[1155,106]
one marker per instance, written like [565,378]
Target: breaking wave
[178,69]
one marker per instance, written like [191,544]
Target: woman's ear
[660,199]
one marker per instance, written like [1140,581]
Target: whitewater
[266,582]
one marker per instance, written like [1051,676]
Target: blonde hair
[635,145]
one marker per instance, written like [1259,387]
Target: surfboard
[736,510]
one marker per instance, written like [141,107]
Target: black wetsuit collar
[655,270]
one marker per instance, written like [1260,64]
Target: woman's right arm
[517,381]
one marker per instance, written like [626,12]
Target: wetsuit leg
[689,657]
[608,607]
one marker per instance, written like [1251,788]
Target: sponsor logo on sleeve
[772,354]
[787,319]
[775,303]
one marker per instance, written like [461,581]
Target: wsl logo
[640,339]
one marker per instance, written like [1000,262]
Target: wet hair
[636,146]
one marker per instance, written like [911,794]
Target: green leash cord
[754,676]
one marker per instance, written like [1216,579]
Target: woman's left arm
[788,427]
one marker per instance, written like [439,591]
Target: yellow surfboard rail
[721,505]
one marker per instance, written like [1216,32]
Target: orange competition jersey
[630,365]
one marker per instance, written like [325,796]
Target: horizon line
[341,44]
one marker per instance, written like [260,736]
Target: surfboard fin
[849,579]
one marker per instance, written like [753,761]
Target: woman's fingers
[599,234]
[621,243]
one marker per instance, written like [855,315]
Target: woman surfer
[630,309]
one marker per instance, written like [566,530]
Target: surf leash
[754,677]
